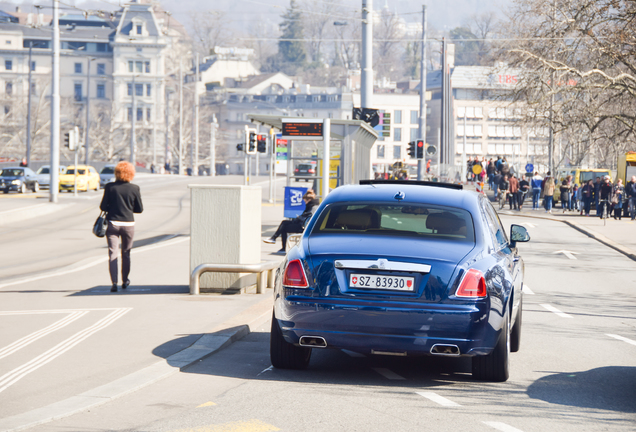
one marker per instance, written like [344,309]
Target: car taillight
[294,276]
[473,285]
[311,171]
[296,170]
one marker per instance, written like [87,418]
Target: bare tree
[388,32]
[209,29]
[318,20]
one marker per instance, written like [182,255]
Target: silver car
[44,175]
[106,175]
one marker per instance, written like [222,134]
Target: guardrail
[264,267]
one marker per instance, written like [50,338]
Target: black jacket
[310,208]
[121,200]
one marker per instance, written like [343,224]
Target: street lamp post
[88,109]
[132,122]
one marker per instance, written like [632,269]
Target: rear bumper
[404,329]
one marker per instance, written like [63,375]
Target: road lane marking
[29,339]
[624,339]
[207,404]
[52,311]
[353,354]
[20,372]
[93,263]
[253,425]
[502,427]
[388,374]
[438,399]
[568,254]
[556,311]
[526,290]
[266,370]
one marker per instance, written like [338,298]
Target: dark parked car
[402,268]
[18,179]
[305,170]
[106,175]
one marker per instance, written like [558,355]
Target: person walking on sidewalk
[535,184]
[524,187]
[514,189]
[597,196]
[617,199]
[296,225]
[630,192]
[565,195]
[605,192]
[587,194]
[548,192]
[121,199]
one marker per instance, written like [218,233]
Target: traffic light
[251,143]
[261,143]
[67,139]
[411,149]
[420,149]
[240,147]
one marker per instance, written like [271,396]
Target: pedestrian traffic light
[240,147]
[251,143]
[411,149]
[261,143]
[420,149]
[67,139]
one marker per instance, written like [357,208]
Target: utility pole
[195,168]
[55,106]
[272,165]
[422,120]
[180,118]
[213,128]
[167,149]
[28,135]
[88,108]
[366,87]
[132,122]
[464,167]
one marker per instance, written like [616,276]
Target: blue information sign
[294,204]
[529,168]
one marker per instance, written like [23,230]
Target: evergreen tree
[292,52]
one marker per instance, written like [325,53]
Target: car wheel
[494,366]
[22,188]
[6,191]
[36,187]
[515,333]
[284,355]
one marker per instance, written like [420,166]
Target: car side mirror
[518,234]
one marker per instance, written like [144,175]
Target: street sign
[529,168]
[302,129]
[477,169]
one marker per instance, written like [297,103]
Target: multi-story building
[107,64]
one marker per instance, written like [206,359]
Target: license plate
[397,283]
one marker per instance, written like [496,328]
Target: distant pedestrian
[524,188]
[605,192]
[587,194]
[513,196]
[535,184]
[548,192]
[630,192]
[496,181]
[121,199]
[565,195]
[617,199]
[597,187]
[296,225]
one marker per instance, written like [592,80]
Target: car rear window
[80,171]
[419,220]
[11,173]
[43,170]
[108,170]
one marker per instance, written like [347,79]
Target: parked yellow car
[87,178]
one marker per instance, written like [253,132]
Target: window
[148,115]
[140,114]
[129,89]
[8,64]
[139,89]
[32,66]
[397,134]
[397,117]
[7,110]
[101,69]
[77,92]
[129,114]
[414,117]
[8,88]
[139,67]
[101,47]
[380,151]
[139,29]
[148,90]
[147,66]
[130,66]
[78,68]
[415,133]
[397,152]
[101,91]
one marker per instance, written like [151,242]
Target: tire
[22,188]
[36,187]
[284,355]
[495,366]
[515,333]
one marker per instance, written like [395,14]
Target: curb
[222,336]
[588,232]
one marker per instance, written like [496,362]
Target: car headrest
[360,219]
[446,223]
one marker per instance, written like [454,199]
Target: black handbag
[99,228]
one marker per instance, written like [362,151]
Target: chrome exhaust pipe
[445,350]
[312,342]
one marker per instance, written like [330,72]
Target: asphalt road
[575,370]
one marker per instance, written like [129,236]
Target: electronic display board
[302,129]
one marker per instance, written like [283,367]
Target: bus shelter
[349,156]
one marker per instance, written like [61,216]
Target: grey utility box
[225,228]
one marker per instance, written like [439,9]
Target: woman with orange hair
[121,199]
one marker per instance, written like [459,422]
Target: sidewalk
[617,234]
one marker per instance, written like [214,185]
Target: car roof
[413,193]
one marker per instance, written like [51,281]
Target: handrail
[266,266]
